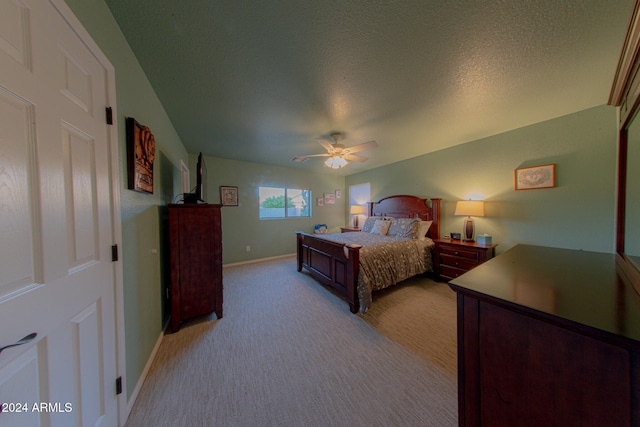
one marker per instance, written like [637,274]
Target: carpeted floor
[289,353]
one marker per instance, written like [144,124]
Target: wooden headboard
[403,206]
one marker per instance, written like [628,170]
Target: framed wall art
[535,177]
[141,151]
[228,196]
[329,198]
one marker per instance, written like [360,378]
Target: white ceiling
[259,80]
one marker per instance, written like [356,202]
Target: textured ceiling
[259,80]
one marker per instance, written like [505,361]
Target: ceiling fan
[338,155]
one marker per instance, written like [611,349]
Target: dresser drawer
[448,272]
[459,252]
[458,261]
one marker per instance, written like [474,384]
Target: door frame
[114,190]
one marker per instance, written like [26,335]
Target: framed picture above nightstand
[455,257]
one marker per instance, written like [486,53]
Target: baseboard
[253,261]
[145,372]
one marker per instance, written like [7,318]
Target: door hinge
[114,253]
[109,115]
[118,385]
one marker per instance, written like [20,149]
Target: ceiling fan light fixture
[335,162]
[338,156]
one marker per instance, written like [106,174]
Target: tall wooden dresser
[195,245]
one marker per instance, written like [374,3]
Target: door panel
[55,203]
[82,215]
[20,257]
[19,388]
[14,32]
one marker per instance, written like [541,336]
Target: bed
[346,261]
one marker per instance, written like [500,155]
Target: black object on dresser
[195,245]
[548,337]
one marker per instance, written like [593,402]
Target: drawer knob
[456,252]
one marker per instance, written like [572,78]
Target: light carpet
[289,353]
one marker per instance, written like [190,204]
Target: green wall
[577,214]
[143,301]
[241,226]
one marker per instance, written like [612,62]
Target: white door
[56,231]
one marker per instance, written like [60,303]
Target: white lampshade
[470,208]
[356,210]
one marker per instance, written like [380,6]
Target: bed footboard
[331,263]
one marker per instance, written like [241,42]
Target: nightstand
[350,229]
[455,257]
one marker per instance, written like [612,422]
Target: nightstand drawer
[455,257]
[459,252]
[457,261]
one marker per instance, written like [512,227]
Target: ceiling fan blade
[355,158]
[361,147]
[326,144]
[301,159]
[317,155]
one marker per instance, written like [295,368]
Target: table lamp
[355,211]
[469,208]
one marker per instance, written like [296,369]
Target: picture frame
[320,201]
[535,177]
[228,195]
[141,152]
[330,198]
[338,194]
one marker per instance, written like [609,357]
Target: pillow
[381,227]
[423,227]
[368,224]
[404,227]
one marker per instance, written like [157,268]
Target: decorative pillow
[404,227]
[368,224]
[423,227]
[381,227]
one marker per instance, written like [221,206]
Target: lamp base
[468,230]
[355,221]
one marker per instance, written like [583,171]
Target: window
[272,202]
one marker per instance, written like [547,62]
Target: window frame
[286,190]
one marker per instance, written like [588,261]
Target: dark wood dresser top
[569,286]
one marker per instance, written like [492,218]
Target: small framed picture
[320,201]
[338,194]
[535,177]
[330,198]
[228,196]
